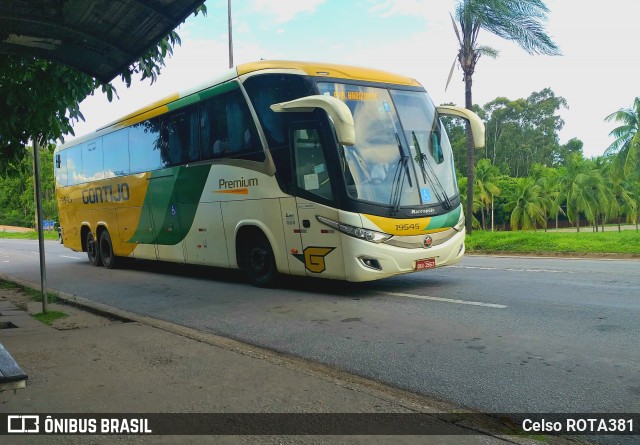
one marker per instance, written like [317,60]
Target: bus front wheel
[258,262]
[93,250]
[106,250]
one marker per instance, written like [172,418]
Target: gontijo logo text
[106,193]
[48,424]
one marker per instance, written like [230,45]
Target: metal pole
[36,180]
[230,35]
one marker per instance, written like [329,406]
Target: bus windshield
[401,157]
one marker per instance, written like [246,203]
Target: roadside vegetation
[49,317]
[625,243]
[526,180]
[34,295]
[48,235]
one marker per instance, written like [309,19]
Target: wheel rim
[105,250]
[259,261]
[91,247]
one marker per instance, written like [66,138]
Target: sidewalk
[93,364]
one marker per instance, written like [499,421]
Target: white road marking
[72,257]
[511,269]
[445,300]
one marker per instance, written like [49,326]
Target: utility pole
[36,182]
[230,35]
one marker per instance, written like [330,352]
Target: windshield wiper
[402,170]
[421,158]
[430,177]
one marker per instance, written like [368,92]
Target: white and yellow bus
[274,167]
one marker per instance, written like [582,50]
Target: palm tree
[486,176]
[551,198]
[633,212]
[520,21]
[626,145]
[527,205]
[582,187]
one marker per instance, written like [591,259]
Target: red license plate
[427,263]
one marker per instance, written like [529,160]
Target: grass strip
[49,317]
[48,235]
[527,242]
[34,294]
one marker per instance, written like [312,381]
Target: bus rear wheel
[106,250]
[258,262]
[93,250]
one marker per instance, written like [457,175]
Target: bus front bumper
[365,261]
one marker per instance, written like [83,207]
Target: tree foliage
[530,178]
[626,146]
[40,99]
[520,21]
[17,205]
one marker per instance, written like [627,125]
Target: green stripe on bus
[447,220]
[202,95]
[172,199]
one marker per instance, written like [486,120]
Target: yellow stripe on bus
[152,110]
[393,226]
[330,70]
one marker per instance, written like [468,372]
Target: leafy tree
[17,205]
[518,21]
[573,146]
[523,132]
[507,186]
[626,146]
[40,99]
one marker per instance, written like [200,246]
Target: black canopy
[98,37]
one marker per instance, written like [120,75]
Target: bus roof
[329,70]
[314,69]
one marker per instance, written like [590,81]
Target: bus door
[321,247]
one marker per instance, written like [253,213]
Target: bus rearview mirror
[477,127]
[337,110]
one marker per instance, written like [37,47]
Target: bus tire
[93,250]
[258,261]
[106,250]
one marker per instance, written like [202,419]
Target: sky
[596,73]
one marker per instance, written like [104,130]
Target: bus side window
[213,129]
[311,167]
[74,165]
[437,153]
[265,90]
[179,143]
[61,168]
[227,129]
[116,153]
[145,146]
[92,160]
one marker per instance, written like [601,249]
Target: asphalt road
[496,334]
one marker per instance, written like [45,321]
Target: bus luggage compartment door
[322,249]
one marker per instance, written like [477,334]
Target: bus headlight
[356,232]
